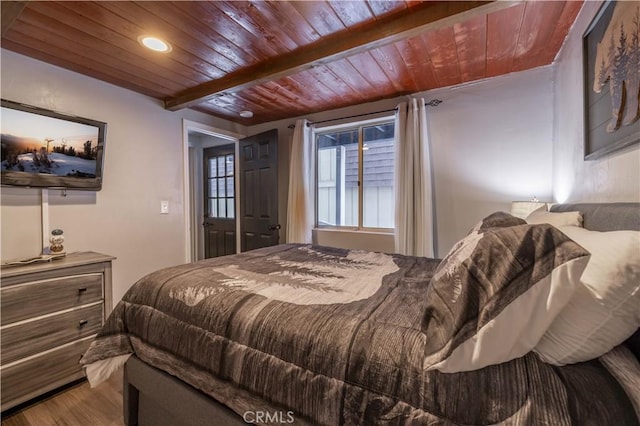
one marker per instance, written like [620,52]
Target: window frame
[359,125]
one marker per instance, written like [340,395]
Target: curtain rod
[433,102]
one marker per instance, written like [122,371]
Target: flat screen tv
[47,149]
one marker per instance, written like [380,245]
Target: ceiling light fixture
[154,43]
[246,114]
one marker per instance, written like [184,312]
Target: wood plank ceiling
[282,59]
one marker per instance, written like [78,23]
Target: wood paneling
[503,31]
[442,50]
[417,62]
[338,45]
[284,59]
[471,46]
[535,34]
[10,11]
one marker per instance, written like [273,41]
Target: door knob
[274,227]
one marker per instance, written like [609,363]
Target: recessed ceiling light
[246,114]
[155,44]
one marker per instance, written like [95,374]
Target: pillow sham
[496,292]
[605,310]
[556,219]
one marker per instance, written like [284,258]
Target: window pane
[213,188]
[213,207]
[381,131]
[231,208]
[338,172]
[221,207]
[221,161]
[230,191]
[229,165]
[378,161]
[212,167]
[338,178]
[349,217]
[326,186]
[221,191]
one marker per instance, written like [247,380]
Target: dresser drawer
[37,335]
[23,380]
[22,301]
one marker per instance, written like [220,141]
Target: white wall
[143,165]
[491,144]
[615,177]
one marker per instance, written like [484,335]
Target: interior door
[259,191]
[219,201]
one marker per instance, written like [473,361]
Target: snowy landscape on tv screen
[36,143]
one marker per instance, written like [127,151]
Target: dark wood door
[219,201]
[259,191]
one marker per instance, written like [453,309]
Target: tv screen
[47,149]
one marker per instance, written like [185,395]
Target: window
[221,193]
[346,158]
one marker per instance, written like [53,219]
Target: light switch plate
[164,207]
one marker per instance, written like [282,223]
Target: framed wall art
[611,49]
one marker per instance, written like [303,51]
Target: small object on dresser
[56,241]
[36,259]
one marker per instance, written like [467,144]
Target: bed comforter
[334,337]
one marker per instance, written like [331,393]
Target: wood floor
[78,405]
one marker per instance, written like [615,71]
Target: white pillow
[556,219]
[605,309]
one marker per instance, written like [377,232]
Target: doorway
[197,138]
[256,169]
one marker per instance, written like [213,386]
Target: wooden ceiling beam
[10,10]
[428,16]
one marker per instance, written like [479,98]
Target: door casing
[193,218]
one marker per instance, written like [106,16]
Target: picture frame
[611,81]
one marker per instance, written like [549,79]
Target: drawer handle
[82,323]
[82,290]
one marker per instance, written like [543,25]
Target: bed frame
[153,397]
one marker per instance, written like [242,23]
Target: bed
[300,334]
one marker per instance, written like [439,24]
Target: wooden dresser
[50,312]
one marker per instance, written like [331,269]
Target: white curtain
[300,212]
[414,233]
